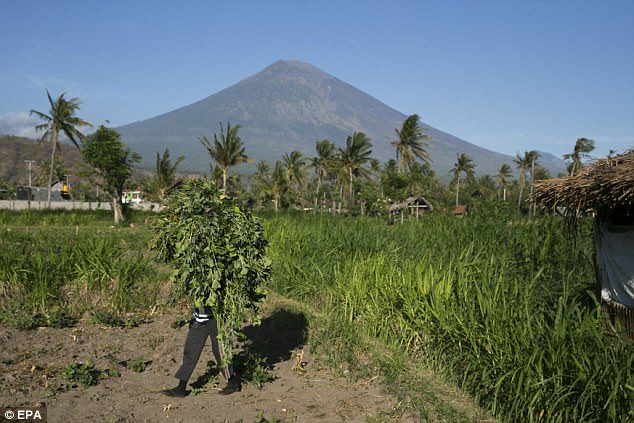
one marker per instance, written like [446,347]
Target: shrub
[254,370]
[80,373]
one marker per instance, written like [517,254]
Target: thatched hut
[460,211]
[413,205]
[604,190]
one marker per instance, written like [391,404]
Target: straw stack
[606,184]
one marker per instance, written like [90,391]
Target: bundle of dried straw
[605,184]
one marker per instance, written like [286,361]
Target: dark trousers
[194,344]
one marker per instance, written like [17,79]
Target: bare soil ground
[132,365]
[31,362]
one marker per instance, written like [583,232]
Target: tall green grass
[68,217]
[504,308]
[51,271]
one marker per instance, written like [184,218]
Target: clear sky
[505,75]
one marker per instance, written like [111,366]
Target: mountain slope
[15,150]
[289,106]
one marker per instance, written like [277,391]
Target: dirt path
[30,363]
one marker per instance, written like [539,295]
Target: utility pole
[68,184]
[30,162]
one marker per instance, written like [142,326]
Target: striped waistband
[201,317]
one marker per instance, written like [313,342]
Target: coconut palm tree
[464,164]
[409,142]
[541,173]
[523,163]
[321,162]
[583,146]
[262,171]
[375,172]
[61,119]
[259,181]
[165,172]
[503,176]
[227,150]
[390,167]
[354,157]
[294,164]
[276,185]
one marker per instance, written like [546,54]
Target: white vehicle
[131,197]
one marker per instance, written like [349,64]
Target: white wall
[70,205]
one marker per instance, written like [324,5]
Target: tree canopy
[409,142]
[464,164]
[354,158]
[165,173]
[226,149]
[583,146]
[112,160]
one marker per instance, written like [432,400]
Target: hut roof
[460,210]
[417,200]
[606,184]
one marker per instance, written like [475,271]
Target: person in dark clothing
[201,327]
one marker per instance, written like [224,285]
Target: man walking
[218,252]
[201,327]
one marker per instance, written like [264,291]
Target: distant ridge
[15,150]
[288,106]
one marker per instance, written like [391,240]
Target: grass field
[503,308]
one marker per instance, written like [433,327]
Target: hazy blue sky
[506,75]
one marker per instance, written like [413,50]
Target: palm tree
[464,164]
[529,160]
[61,118]
[541,173]
[260,179]
[165,172]
[375,171]
[262,171]
[583,146]
[294,164]
[215,173]
[227,150]
[390,167]
[353,158]
[503,175]
[277,183]
[321,163]
[409,142]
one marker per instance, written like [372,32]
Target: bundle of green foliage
[217,251]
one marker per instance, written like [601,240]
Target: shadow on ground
[271,342]
[279,334]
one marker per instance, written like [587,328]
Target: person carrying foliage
[217,251]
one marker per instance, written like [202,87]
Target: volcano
[288,106]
